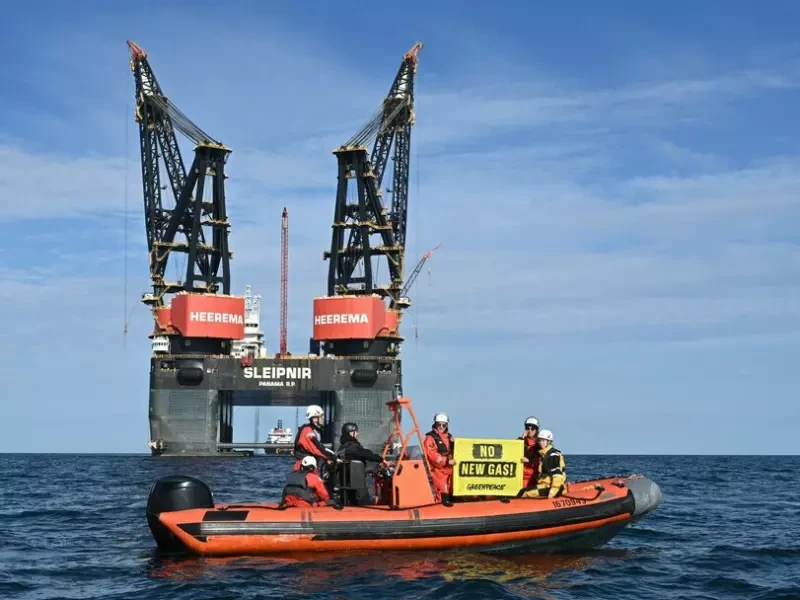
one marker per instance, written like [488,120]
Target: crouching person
[304,487]
[552,479]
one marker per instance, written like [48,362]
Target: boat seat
[349,477]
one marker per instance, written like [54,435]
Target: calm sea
[74,527]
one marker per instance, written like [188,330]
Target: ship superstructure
[209,353]
[279,435]
[253,342]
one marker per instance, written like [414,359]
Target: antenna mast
[284,276]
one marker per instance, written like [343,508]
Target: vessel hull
[587,518]
[192,397]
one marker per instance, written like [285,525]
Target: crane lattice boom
[416,271]
[192,218]
[368,216]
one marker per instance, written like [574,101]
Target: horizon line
[230,455]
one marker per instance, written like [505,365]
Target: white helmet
[441,418]
[532,421]
[314,411]
[309,461]
[545,434]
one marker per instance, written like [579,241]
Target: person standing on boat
[308,441]
[304,487]
[552,480]
[439,452]
[530,457]
[351,449]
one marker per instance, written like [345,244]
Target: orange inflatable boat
[183,516]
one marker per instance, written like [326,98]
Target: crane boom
[158,118]
[416,271]
[398,119]
[353,319]
[392,122]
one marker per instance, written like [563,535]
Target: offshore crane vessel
[353,367]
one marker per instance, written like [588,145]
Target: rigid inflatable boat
[183,516]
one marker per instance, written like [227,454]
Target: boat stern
[170,494]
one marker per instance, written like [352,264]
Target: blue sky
[616,192]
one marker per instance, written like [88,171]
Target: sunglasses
[531,427]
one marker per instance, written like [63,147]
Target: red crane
[284,275]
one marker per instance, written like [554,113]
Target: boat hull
[288,451]
[590,515]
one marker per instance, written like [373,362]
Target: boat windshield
[413,453]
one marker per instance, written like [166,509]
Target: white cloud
[685,156]
[451,115]
[40,185]
[543,204]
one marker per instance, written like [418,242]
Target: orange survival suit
[439,451]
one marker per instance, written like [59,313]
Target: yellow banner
[487,467]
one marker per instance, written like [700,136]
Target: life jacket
[440,447]
[531,452]
[296,485]
[299,451]
[529,449]
[552,467]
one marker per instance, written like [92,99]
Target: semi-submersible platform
[201,365]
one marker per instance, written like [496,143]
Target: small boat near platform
[183,516]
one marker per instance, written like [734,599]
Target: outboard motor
[177,492]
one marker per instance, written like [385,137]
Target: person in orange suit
[304,487]
[308,441]
[439,452]
[530,457]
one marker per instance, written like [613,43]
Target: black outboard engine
[177,492]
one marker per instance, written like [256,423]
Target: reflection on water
[541,571]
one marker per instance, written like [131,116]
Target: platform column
[185,420]
[368,409]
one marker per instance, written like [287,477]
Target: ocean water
[73,526]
